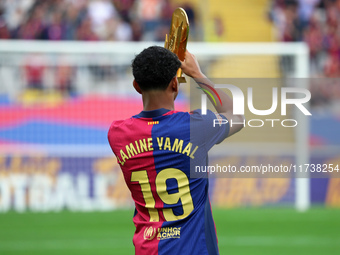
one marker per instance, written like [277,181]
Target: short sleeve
[211,128]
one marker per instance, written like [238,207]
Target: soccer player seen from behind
[155,150]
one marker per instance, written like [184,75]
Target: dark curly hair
[154,68]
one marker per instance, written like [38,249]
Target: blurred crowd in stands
[88,20]
[85,20]
[316,22]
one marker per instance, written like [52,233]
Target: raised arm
[191,68]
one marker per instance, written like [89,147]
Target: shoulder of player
[118,124]
[198,114]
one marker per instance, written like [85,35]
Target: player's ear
[174,84]
[136,86]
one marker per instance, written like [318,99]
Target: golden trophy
[177,39]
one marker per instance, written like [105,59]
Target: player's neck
[153,100]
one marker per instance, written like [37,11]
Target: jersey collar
[153,113]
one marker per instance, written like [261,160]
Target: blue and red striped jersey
[156,150]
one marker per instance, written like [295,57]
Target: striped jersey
[156,151]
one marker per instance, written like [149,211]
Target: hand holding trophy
[177,39]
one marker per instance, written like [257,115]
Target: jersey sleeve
[212,127]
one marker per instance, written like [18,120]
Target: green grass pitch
[277,231]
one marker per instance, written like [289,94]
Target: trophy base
[181,79]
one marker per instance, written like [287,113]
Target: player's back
[155,150]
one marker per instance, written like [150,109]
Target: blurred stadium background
[65,76]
